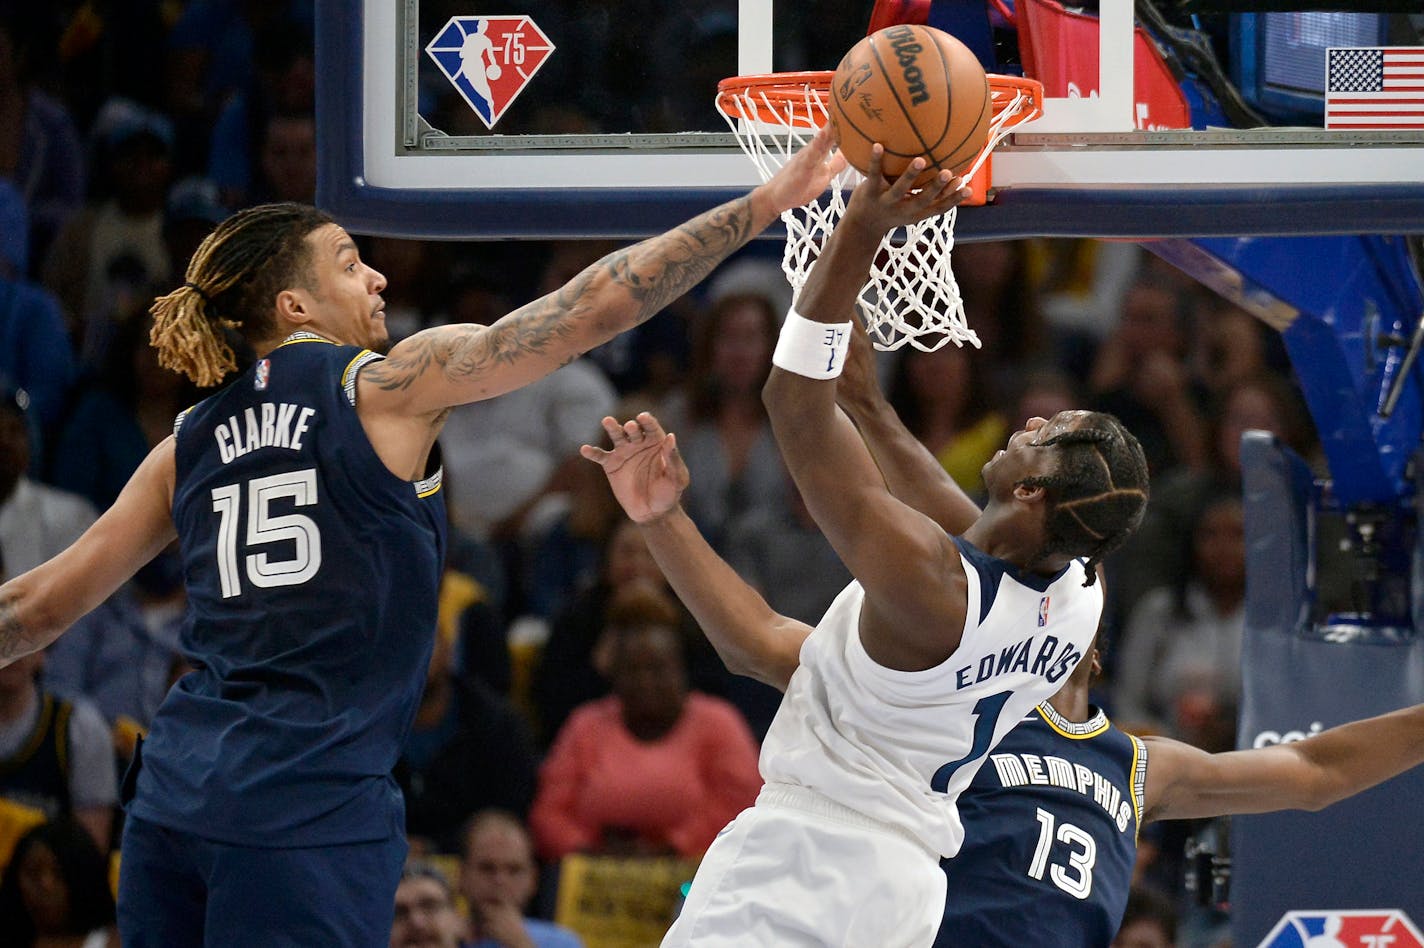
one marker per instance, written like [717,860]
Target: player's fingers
[902,184]
[650,425]
[612,428]
[632,431]
[675,461]
[596,455]
[877,159]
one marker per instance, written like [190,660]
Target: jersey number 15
[263,527]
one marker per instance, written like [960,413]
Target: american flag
[1374,87]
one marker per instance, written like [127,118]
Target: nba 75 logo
[489,59]
[1344,928]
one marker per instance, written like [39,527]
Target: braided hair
[230,283]
[1098,493]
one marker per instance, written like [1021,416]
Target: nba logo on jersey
[1370,928]
[1043,611]
[263,371]
[489,59]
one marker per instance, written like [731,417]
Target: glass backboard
[596,119]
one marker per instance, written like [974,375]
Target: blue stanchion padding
[1362,853]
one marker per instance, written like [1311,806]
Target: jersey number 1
[263,528]
[986,715]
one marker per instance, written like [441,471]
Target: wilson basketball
[917,91]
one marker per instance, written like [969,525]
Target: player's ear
[292,308]
[1029,493]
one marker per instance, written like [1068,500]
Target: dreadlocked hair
[230,283]
[1098,494]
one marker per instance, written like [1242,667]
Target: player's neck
[1072,702]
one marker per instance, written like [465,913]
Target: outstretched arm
[909,568]
[648,476]
[36,606]
[911,472]
[1185,783]
[452,365]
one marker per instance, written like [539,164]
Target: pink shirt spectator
[676,792]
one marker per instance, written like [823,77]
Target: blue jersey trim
[991,569]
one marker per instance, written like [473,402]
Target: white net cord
[911,295]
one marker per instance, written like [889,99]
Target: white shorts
[800,870]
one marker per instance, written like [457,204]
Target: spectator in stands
[213,55]
[190,212]
[1140,375]
[107,260]
[124,655]
[36,521]
[573,668]
[1000,306]
[721,423]
[1149,921]
[786,558]
[468,750]
[56,756]
[55,892]
[1157,554]
[1043,391]
[40,151]
[426,916]
[508,458]
[646,362]
[286,158]
[35,355]
[498,878]
[566,560]
[1231,346]
[118,412]
[654,768]
[284,82]
[1180,671]
[944,397]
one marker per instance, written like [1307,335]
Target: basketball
[918,92]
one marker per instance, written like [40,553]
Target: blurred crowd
[572,705]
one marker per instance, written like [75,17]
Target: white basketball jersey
[898,746]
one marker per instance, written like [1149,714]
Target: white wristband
[815,350]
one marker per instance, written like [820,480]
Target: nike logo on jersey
[1022,770]
[278,426]
[1051,659]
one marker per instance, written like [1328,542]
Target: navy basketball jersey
[312,574]
[1050,837]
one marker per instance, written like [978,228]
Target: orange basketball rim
[798,102]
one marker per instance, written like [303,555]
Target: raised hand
[806,175]
[644,468]
[881,205]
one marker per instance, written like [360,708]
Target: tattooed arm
[35,607]
[452,365]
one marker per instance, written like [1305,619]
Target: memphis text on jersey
[279,425]
[1022,770]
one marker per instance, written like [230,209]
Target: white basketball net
[911,295]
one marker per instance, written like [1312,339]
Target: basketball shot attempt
[918,93]
[935,650]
